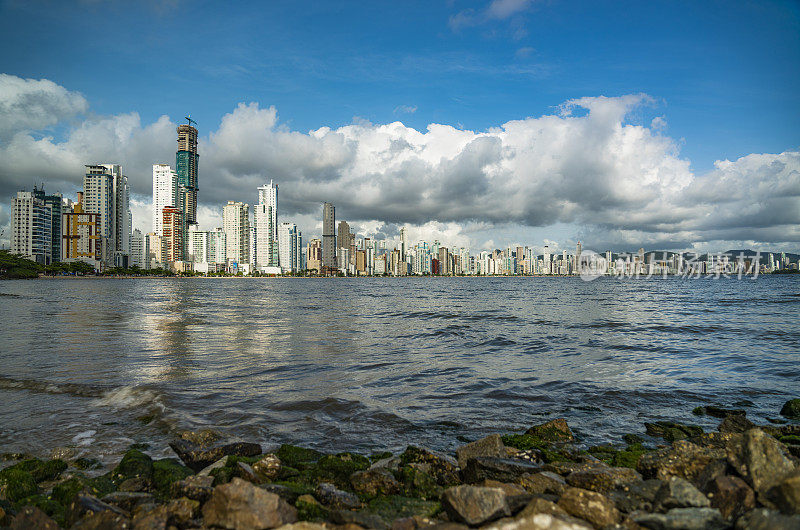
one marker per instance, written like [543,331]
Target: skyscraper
[32,227]
[186,160]
[236,223]
[81,239]
[105,192]
[343,235]
[173,234]
[266,224]
[290,243]
[328,236]
[165,193]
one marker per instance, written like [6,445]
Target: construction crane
[190,120]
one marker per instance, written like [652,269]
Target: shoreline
[677,476]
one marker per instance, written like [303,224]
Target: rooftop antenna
[190,120]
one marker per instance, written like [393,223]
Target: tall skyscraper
[80,235]
[578,251]
[137,249]
[314,255]
[186,161]
[290,243]
[165,193]
[403,243]
[236,224]
[328,236]
[105,192]
[266,224]
[173,234]
[343,235]
[32,227]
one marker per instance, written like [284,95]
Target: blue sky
[724,76]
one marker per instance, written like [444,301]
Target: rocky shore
[741,476]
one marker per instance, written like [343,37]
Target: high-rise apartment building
[314,255]
[217,246]
[236,224]
[290,244]
[266,227]
[105,192]
[138,254]
[186,162]
[80,235]
[172,239]
[343,235]
[32,227]
[165,193]
[328,236]
[155,251]
[198,245]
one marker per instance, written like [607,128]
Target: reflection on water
[374,363]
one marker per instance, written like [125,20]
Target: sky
[668,125]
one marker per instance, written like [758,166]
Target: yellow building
[80,238]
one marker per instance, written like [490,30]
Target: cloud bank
[587,166]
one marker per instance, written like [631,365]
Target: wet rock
[509,489]
[32,517]
[65,491]
[364,520]
[791,409]
[672,431]
[195,487]
[636,496]
[417,482]
[676,492]
[503,469]
[182,511]
[242,505]
[16,484]
[731,496]
[475,505]
[543,482]
[718,412]
[337,469]
[209,469]
[682,519]
[785,495]
[332,497]
[268,467]
[128,501]
[552,431]
[294,456]
[103,521]
[197,456]
[492,445]
[442,467]
[390,463]
[602,480]
[134,465]
[590,506]
[735,424]
[373,482]
[759,458]
[712,471]
[565,468]
[204,437]
[84,505]
[764,519]
[153,518]
[539,505]
[245,472]
[683,459]
[167,471]
[309,509]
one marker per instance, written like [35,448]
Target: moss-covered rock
[547,450]
[16,484]
[41,470]
[605,453]
[294,456]
[395,506]
[309,509]
[135,464]
[165,472]
[552,431]
[629,457]
[338,468]
[631,439]
[417,483]
[64,492]
[87,463]
[791,409]
[672,431]
[49,506]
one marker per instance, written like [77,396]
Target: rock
[636,496]
[712,471]
[540,521]
[735,424]
[203,437]
[63,453]
[759,458]
[332,497]
[475,505]
[481,468]
[268,467]
[442,467]
[156,518]
[128,501]
[539,505]
[553,431]
[589,505]
[219,464]
[676,492]
[84,505]
[303,525]
[364,520]
[103,521]
[134,465]
[492,445]
[510,490]
[672,431]
[32,517]
[294,456]
[16,484]
[682,519]
[791,409]
[718,412]
[374,482]
[731,496]
[197,456]
[195,487]
[241,505]
[785,495]
[167,471]
[602,480]
[683,459]
[763,519]
[245,472]
[565,468]
[543,482]
[182,511]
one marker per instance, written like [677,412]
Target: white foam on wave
[84,438]
[127,397]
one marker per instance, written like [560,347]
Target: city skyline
[494,130]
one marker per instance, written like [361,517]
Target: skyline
[618,171]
